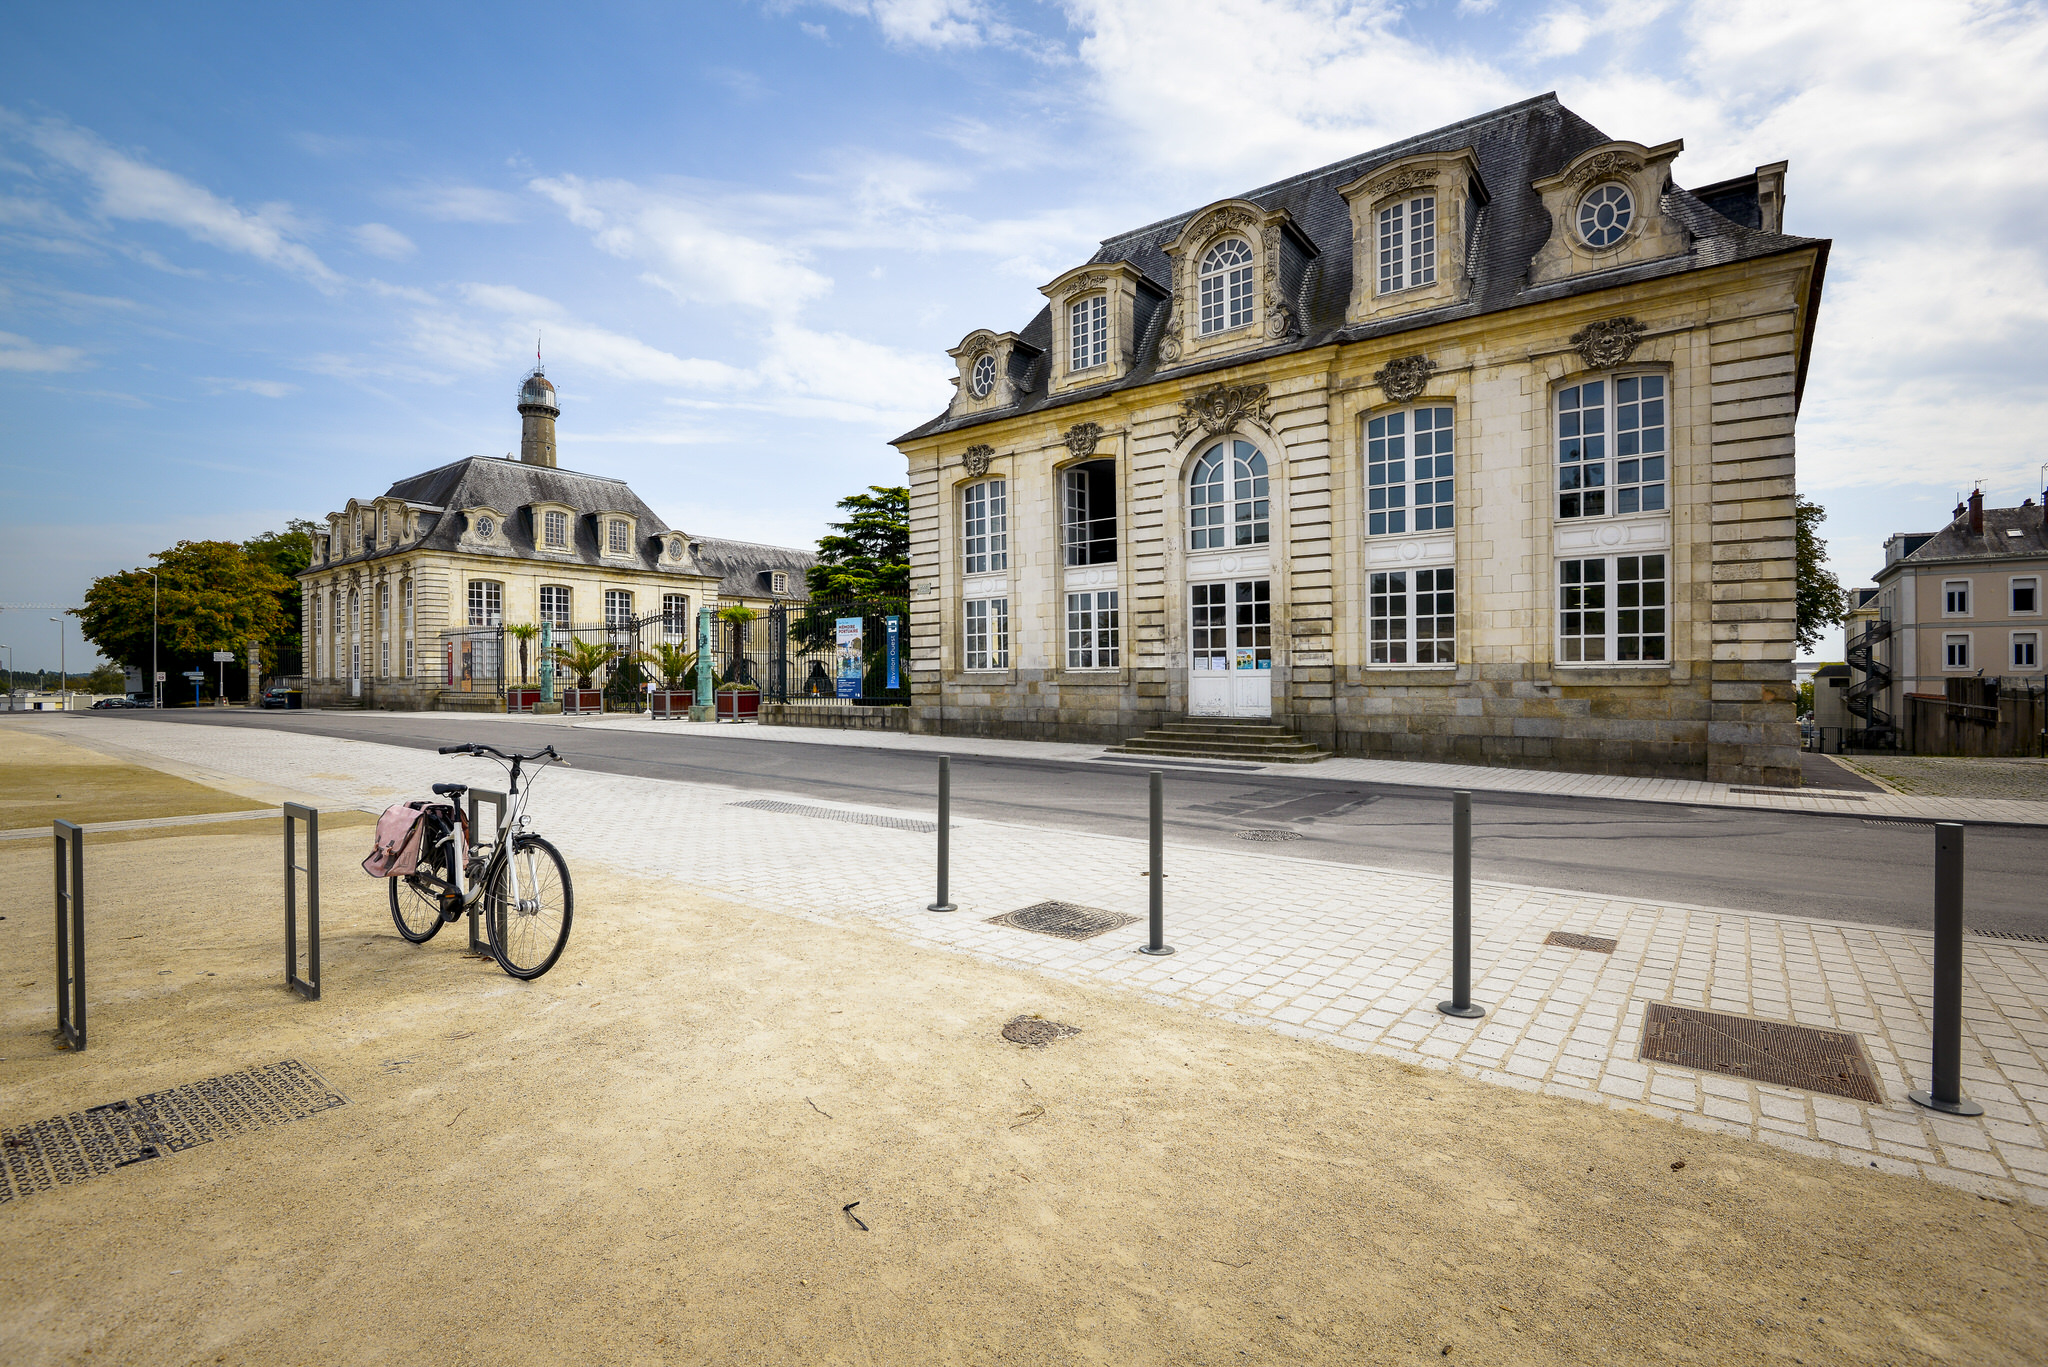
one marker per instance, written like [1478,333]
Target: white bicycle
[520,882]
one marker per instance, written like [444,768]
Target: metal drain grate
[894,823]
[1599,944]
[1833,794]
[1893,821]
[71,1148]
[1268,834]
[2021,936]
[1035,1032]
[1776,1052]
[1063,919]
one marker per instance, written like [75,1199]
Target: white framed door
[1230,648]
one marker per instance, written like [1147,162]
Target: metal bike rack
[308,986]
[478,798]
[70,904]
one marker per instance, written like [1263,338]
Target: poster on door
[847,636]
[1247,659]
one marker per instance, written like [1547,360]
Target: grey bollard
[1945,1094]
[1157,944]
[1460,1004]
[945,831]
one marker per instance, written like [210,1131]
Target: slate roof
[1515,147]
[743,567]
[1957,542]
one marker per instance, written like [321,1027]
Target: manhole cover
[1830,1061]
[1064,919]
[1266,833]
[88,1143]
[1035,1032]
[1599,944]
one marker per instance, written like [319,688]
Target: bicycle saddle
[450,789]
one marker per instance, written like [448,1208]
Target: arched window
[1226,276]
[1227,503]
[982,378]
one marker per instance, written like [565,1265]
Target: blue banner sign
[895,680]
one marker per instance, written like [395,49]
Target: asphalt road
[1839,868]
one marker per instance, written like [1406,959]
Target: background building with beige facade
[1477,447]
[410,591]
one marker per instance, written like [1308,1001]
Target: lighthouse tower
[537,413]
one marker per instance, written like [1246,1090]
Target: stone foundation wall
[836,717]
[381,695]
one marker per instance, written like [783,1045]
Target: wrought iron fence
[811,659]
[473,660]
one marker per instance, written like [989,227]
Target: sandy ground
[643,1158]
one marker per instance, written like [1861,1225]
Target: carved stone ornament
[1404,378]
[976,459]
[1227,217]
[1413,178]
[1279,317]
[1604,165]
[1169,335]
[1221,407]
[1608,342]
[1092,280]
[1081,439]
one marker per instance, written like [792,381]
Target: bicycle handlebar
[472,748]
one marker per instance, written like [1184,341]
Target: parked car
[110,704]
[277,695]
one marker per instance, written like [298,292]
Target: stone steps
[1254,742]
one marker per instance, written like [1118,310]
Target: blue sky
[257,259]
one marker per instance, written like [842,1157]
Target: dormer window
[1408,244]
[484,528]
[983,377]
[778,582]
[555,530]
[616,536]
[1226,277]
[675,548]
[1088,332]
[1605,213]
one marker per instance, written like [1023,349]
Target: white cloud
[19,353]
[925,23]
[379,240]
[269,389]
[134,191]
[455,203]
[1560,33]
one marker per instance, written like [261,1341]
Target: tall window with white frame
[615,536]
[1612,610]
[555,530]
[1413,617]
[1092,630]
[313,634]
[2026,650]
[384,631]
[1088,333]
[1228,503]
[1955,598]
[675,616]
[1088,513]
[408,632]
[2026,596]
[987,633]
[1408,470]
[1955,650]
[985,527]
[554,608]
[618,609]
[1225,280]
[1612,445]
[1408,244]
[335,626]
[486,603]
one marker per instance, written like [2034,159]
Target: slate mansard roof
[508,486]
[1515,147]
[744,568]
[1956,542]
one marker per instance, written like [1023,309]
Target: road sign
[223,657]
[161,676]
[195,675]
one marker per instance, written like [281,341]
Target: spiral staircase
[1873,677]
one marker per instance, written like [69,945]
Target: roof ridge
[1390,148]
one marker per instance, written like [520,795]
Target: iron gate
[803,656]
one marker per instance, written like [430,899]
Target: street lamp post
[156,689]
[10,674]
[63,674]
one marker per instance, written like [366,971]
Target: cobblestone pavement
[2017,808]
[1355,957]
[2019,780]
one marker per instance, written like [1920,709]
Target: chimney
[1957,515]
[1976,512]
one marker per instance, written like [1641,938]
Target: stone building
[409,590]
[1475,447]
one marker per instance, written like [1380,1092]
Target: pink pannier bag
[399,831]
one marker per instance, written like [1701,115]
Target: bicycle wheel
[528,933]
[416,910]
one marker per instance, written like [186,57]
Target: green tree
[1820,598]
[213,595]
[868,555]
[288,552]
[107,679]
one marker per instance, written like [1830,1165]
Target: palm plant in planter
[522,632]
[673,663]
[737,666]
[584,658]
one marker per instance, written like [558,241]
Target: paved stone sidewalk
[2024,780]
[1355,957]
[2017,808]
